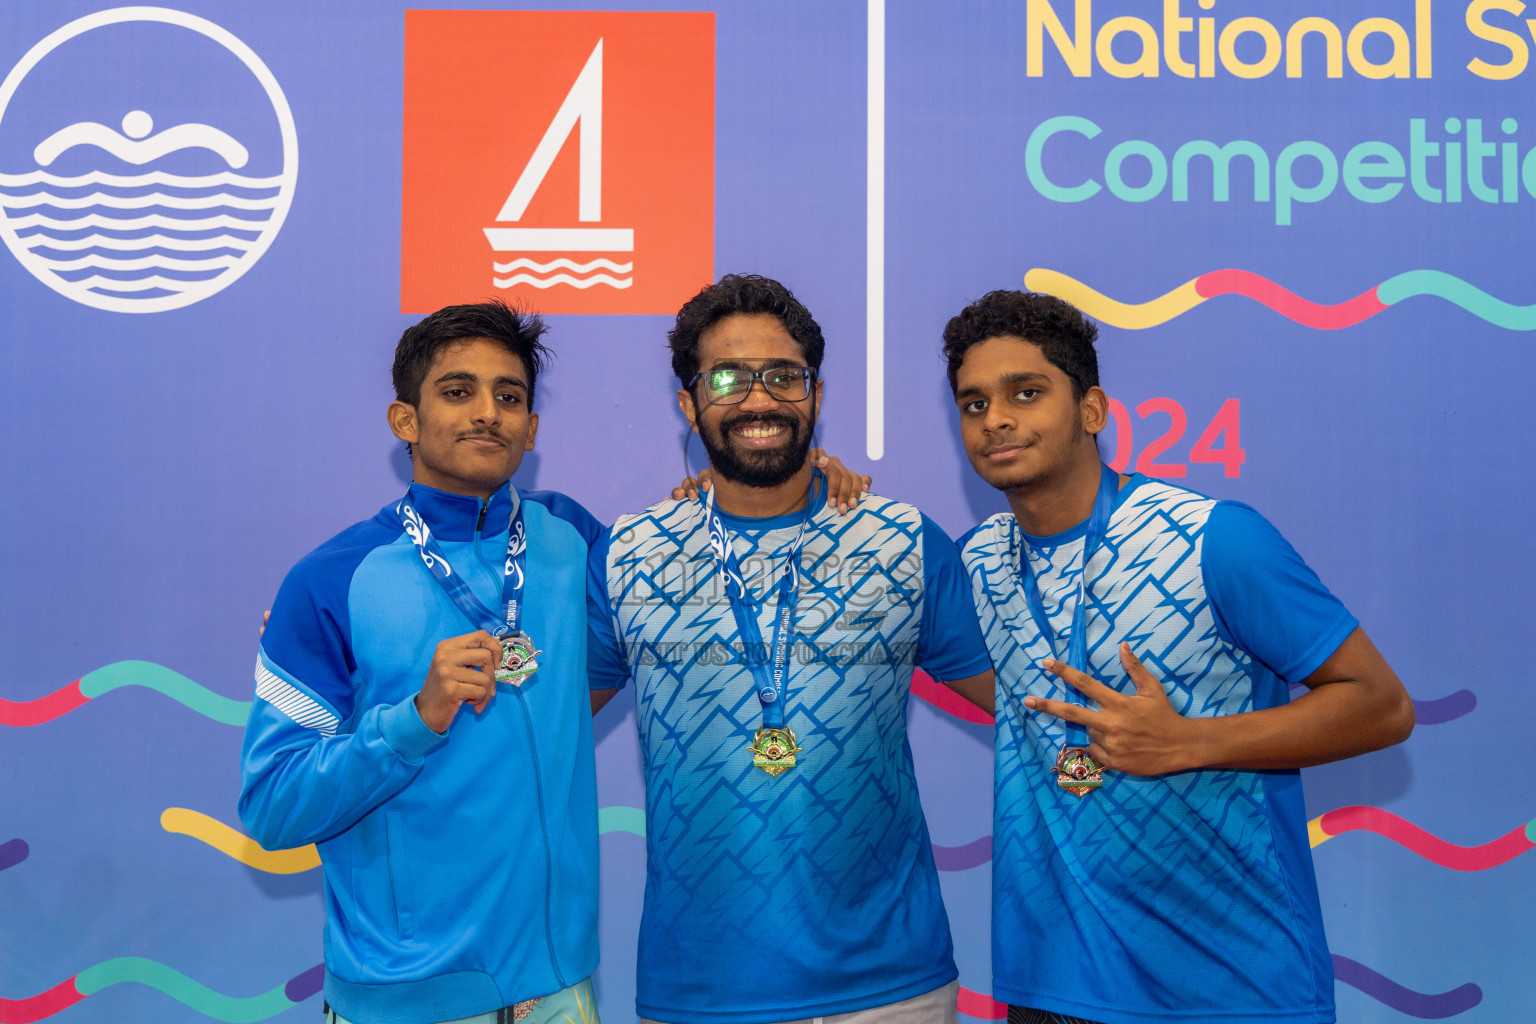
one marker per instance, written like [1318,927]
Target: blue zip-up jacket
[460,870]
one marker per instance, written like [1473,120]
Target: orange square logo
[562,159]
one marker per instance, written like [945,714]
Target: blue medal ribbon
[452,581]
[1077,643]
[770,683]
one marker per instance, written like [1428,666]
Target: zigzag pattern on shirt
[721,829]
[1140,848]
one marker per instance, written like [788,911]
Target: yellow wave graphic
[1130,316]
[241,847]
[247,851]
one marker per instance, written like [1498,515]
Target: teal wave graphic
[168,682]
[1453,289]
[178,986]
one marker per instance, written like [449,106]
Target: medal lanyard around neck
[770,684]
[1077,643]
[453,582]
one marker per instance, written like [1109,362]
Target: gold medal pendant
[519,659]
[1077,772]
[774,750]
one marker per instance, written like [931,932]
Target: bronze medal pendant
[1077,772]
[774,750]
[519,659]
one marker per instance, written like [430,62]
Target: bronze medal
[774,750]
[1077,772]
[519,659]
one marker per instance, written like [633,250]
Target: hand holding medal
[512,658]
[463,671]
[1138,734]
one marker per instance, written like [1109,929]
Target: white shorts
[936,1007]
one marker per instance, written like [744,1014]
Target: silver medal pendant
[519,658]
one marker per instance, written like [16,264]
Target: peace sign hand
[1138,734]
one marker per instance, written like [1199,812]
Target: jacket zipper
[485,506]
[549,862]
[538,784]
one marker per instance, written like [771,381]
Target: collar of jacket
[456,517]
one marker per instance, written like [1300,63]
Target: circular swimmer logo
[140,170]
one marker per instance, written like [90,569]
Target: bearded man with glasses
[790,875]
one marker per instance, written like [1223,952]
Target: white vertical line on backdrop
[874,259]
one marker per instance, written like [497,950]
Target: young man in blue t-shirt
[422,710]
[1150,852]
[789,870]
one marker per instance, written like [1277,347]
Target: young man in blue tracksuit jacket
[456,817]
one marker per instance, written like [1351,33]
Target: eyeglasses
[731,386]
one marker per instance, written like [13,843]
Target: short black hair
[744,294]
[1064,335]
[493,319]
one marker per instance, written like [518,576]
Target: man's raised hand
[1139,733]
[463,671]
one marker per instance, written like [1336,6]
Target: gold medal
[1077,772]
[519,659]
[774,750]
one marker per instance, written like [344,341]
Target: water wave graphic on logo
[155,975]
[1414,283]
[147,241]
[593,268]
[1413,838]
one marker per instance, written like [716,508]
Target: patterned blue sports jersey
[1186,897]
[814,892]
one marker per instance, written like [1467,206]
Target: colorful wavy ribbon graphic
[945,699]
[115,676]
[1445,709]
[980,1005]
[1413,283]
[1406,1000]
[234,712]
[235,844]
[250,1009]
[1432,848]
[1435,712]
[13,852]
[241,847]
[117,971]
[617,818]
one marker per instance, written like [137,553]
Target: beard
[757,467]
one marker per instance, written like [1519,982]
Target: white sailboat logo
[150,240]
[581,112]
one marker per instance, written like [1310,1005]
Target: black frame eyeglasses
[730,385]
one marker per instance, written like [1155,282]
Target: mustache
[493,435]
[1004,442]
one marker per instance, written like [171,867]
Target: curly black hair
[747,294]
[1065,336]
